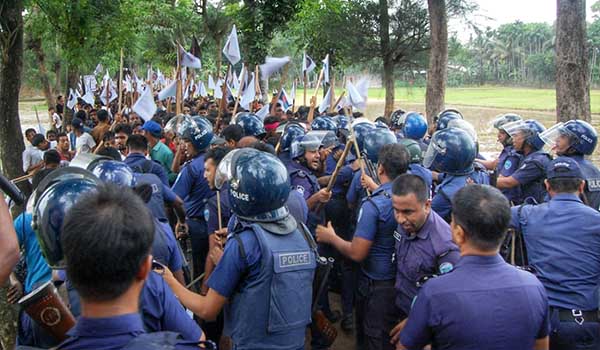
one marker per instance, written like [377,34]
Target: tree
[11,139]
[572,62]
[438,59]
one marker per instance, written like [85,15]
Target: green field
[487,96]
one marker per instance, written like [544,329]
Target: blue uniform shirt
[376,223]
[356,192]
[297,206]
[330,162]
[442,201]
[191,186]
[430,252]
[422,172]
[285,158]
[531,174]
[303,180]
[109,333]
[38,271]
[508,163]
[164,246]
[343,180]
[161,193]
[139,163]
[563,245]
[484,303]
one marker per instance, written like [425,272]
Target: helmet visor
[551,135]
[224,171]
[464,125]
[432,151]
[179,124]
[515,128]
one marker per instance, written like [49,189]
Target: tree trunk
[572,71]
[72,80]
[219,57]
[438,59]
[57,73]
[386,55]
[35,44]
[11,138]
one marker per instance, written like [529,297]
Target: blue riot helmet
[251,124]
[381,125]
[396,119]
[503,119]
[343,122]
[360,127]
[446,116]
[51,208]
[292,131]
[451,151]
[465,126]
[259,185]
[374,140]
[580,136]
[330,140]
[324,123]
[311,141]
[415,126]
[414,150]
[197,130]
[115,172]
[529,130]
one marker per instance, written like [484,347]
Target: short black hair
[484,214]
[263,147]
[30,130]
[102,249]
[51,157]
[137,143]
[565,184]
[394,159]
[37,140]
[406,184]
[233,132]
[50,109]
[61,134]
[81,115]
[124,128]
[102,115]
[50,132]
[217,153]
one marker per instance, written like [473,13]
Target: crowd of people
[428,243]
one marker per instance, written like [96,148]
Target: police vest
[592,182]
[157,201]
[312,179]
[536,189]
[508,158]
[272,311]
[374,266]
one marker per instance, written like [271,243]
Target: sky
[493,13]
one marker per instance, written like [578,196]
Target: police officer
[325,123]
[251,124]
[416,159]
[415,128]
[530,175]
[137,150]
[397,123]
[356,192]
[570,274]
[445,116]
[292,130]
[424,247]
[91,225]
[373,246]
[577,139]
[267,267]
[484,303]
[191,186]
[509,159]
[452,152]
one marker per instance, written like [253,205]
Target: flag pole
[222,104]
[295,83]
[305,83]
[239,93]
[178,89]
[337,102]
[313,100]
[120,84]
[332,96]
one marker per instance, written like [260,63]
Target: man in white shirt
[32,156]
[85,142]
[56,119]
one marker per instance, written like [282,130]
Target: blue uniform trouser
[570,335]
[199,238]
[376,302]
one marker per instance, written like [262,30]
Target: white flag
[263,112]
[248,95]
[232,47]
[326,69]
[292,94]
[72,99]
[188,60]
[108,91]
[363,88]
[106,78]
[169,91]
[98,69]
[307,64]
[211,83]
[88,97]
[202,90]
[89,81]
[355,97]
[326,102]
[145,106]
[272,65]
[218,89]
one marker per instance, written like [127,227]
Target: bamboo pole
[239,93]
[120,84]
[313,100]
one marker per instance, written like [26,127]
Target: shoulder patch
[300,189]
[507,164]
[446,267]
[593,185]
[206,214]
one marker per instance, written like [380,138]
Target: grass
[489,96]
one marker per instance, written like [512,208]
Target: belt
[198,219]
[577,315]
[378,283]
